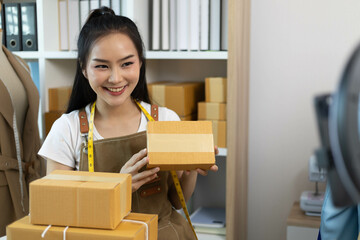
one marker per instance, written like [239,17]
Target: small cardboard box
[219,130]
[50,118]
[59,98]
[23,229]
[215,89]
[179,97]
[211,111]
[80,199]
[180,145]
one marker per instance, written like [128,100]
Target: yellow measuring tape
[173,173]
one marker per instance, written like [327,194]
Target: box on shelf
[180,145]
[59,98]
[219,130]
[179,97]
[211,111]
[50,118]
[80,199]
[23,229]
[215,89]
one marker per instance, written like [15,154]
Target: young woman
[110,87]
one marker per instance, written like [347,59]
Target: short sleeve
[60,143]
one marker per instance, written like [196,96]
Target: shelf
[28,55]
[215,55]
[61,55]
[207,55]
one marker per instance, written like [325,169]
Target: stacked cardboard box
[214,108]
[179,97]
[58,100]
[82,205]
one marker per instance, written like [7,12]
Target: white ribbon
[64,235]
[143,223]
[48,227]
[44,232]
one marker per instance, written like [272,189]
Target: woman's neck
[117,121]
[123,111]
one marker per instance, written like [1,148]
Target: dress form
[15,87]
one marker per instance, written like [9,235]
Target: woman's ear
[84,73]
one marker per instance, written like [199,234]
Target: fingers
[216,150]
[203,172]
[141,178]
[214,168]
[136,157]
[145,174]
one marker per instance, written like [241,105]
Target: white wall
[298,49]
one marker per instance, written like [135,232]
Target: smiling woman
[110,96]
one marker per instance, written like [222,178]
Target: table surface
[298,218]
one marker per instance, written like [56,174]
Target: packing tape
[180,142]
[85,178]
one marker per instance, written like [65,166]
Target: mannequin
[15,88]
[19,137]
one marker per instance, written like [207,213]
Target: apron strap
[155,112]
[84,125]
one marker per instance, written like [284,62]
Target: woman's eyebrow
[105,61]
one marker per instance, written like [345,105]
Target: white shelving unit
[57,69]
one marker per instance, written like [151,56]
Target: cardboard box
[80,199]
[219,130]
[23,229]
[211,111]
[50,118]
[59,98]
[215,89]
[179,97]
[180,145]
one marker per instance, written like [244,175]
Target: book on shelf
[84,11]
[194,25]
[105,3]
[215,25]
[94,4]
[139,12]
[116,6]
[172,29]
[155,45]
[224,25]
[165,25]
[74,27]
[204,24]
[209,217]
[63,25]
[182,24]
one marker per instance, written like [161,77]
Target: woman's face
[113,69]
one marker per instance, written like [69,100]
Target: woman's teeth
[115,89]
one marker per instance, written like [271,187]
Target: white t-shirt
[63,143]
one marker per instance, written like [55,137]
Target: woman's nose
[115,76]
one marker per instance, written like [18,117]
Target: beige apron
[112,153]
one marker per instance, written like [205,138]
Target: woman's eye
[127,64]
[100,66]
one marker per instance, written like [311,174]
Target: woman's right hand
[136,162]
